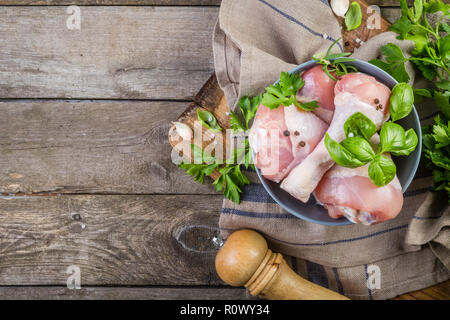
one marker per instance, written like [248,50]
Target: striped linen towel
[254,40]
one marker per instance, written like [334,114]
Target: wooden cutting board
[211,97]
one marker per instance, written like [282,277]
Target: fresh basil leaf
[381,170]
[411,141]
[341,155]
[358,125]
[393,139]
[353,17]
[359,148]
[208,120]
[401,101]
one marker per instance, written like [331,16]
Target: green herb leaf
[340,154]
[395,140]
[249,106]
[235,122]
[442,102]
[401,101]
[208,120]
[395,62]
[358,125]
[307,106]
[417,10]
[353,17]
[382,170]
[399,72]
[443,84]
[433,6]
[284,92]
[359,148]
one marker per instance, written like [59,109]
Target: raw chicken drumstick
[281,138]
[350,192]
[354,92]
[319,87]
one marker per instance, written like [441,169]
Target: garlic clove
[340,7]
[183,130]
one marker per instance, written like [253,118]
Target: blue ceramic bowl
[406,166]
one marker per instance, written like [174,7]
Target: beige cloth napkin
[254,40]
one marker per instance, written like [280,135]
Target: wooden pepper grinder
[245,260]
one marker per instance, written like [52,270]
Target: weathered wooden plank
[112,2]
[152,2]
[114,240]
[122,293]
[119,52]
[90,147]
[437,292]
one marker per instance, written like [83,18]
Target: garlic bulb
[183,130]
[340,7]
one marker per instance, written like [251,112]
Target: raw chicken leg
[351,96]
[320,87]
[281,138]
[350,193]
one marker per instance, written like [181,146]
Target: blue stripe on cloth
[257,214]
[291,18]
[427,218]
[344,240]
[316,273]
[255,192]
[367,282]
[262,215]
[338,281]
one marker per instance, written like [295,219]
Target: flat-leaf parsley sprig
[231,178]
[431,57]
[284,93]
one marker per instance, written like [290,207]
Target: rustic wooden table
[85,170]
